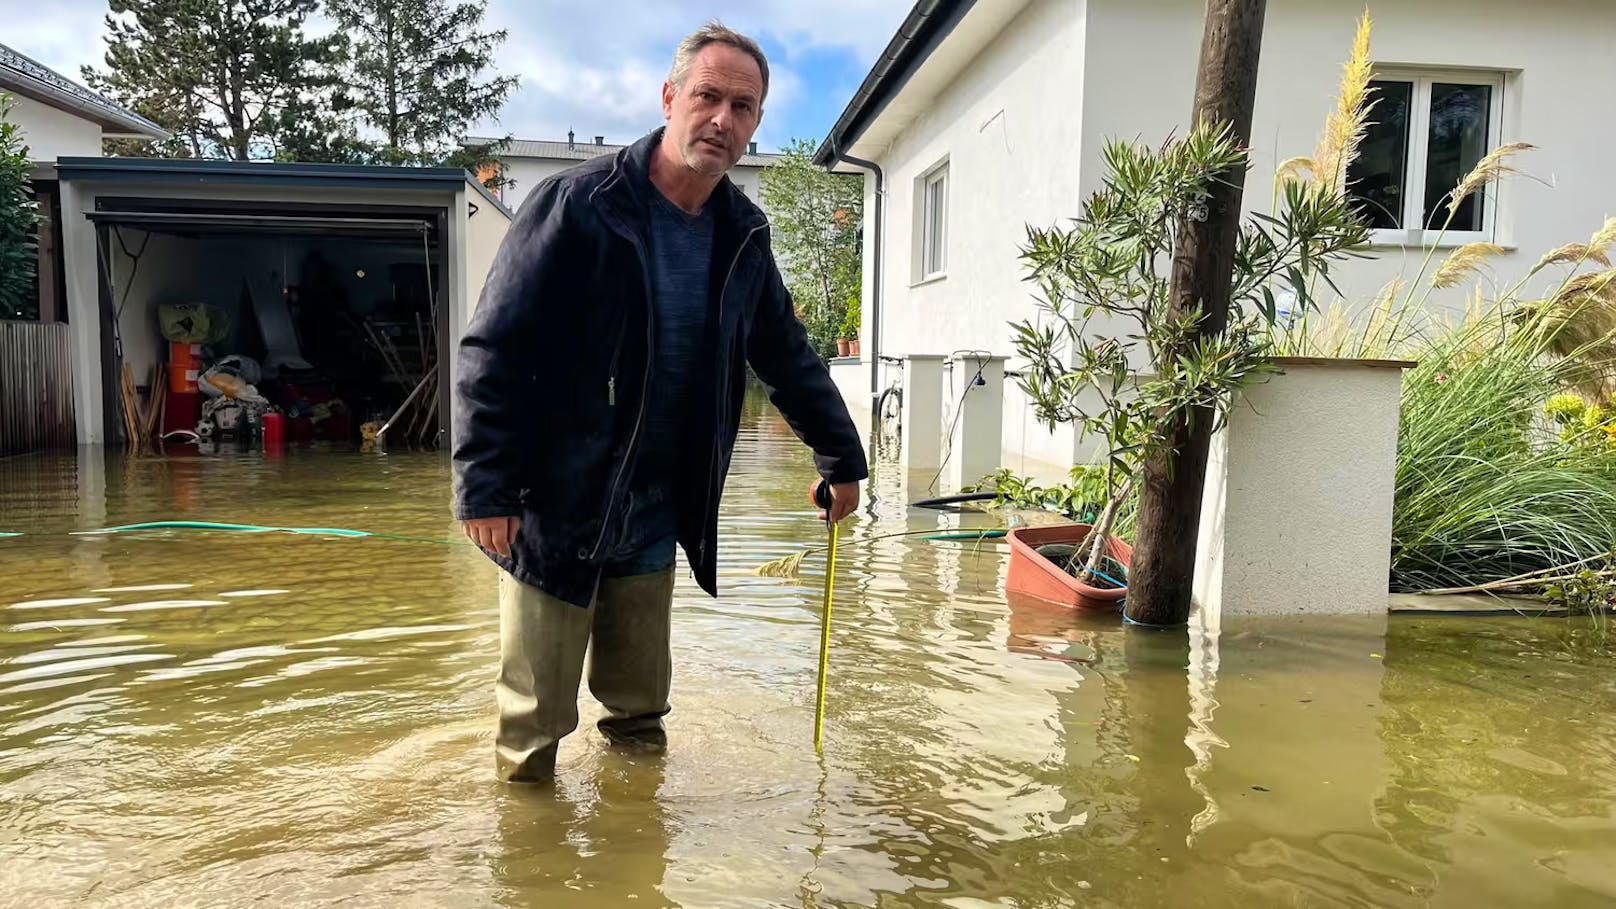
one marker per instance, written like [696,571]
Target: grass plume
[1464,262]
[1344,128]
[1572,254]
[1492,167]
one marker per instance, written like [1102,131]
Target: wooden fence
[36,387]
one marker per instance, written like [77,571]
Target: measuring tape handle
[821,497]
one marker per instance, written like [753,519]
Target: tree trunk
[1161,579]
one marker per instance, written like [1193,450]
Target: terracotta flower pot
[1033,575]
[843,346]
[853,346]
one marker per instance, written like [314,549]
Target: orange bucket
[184,366]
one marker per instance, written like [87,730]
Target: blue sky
[596,67]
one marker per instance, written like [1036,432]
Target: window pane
[1376,180]
[936,214]
[1459,116]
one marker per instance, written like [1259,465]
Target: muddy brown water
[196,718]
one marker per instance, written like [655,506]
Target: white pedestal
[1297,512]
[976,445]
[922,421]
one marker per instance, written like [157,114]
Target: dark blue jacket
[550,387]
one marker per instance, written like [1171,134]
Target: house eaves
[24,76]
[936,42]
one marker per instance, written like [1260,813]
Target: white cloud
[592,65]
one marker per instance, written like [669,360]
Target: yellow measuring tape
[824,642]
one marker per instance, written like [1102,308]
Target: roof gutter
[41,83]
[875,271]
[928,23]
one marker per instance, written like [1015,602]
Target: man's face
[712,116]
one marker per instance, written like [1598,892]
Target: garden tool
[822,498]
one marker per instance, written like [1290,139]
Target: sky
[595,66]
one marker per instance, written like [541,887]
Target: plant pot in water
[843,346]
[1031,574]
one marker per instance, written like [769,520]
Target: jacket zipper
[723,387]
[611,398]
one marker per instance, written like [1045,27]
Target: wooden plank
[36,387]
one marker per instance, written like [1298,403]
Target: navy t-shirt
[681,256]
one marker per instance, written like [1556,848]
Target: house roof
[928,23]
[25,76]
[562,150]
[259,173]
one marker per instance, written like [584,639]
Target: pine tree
[219,74]
[417,72]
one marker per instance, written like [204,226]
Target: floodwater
[200,718]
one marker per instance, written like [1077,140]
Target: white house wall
[1560,58]
[1022,128]
[1010,128]
[51,133]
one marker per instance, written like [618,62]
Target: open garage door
[334,310]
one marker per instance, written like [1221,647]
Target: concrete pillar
[922,420]
[82,271]
[976,442]
[1296,516]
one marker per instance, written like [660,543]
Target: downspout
[875,289]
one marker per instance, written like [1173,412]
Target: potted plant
[1108,351]
[849,328]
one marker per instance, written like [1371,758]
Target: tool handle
[822,498]
[821,495]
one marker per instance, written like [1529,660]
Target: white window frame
[931,248]
[1419,141]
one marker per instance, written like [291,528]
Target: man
[599,395]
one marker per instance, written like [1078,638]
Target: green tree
[815,216]
[418,73]
[19,222]
[483,161]
[221,75]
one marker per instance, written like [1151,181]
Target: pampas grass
[1344,128]
[1494,166]
[1571,254]
[788,567]
[1485,490]
[1464,262]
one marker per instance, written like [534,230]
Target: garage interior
[331,314]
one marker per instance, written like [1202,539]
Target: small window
[1426,132]
[932,225]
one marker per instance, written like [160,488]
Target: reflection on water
[238,719]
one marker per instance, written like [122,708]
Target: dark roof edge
[928,23]
[258,171]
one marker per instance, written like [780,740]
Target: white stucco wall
[530,172]
[1559,58]
[1022,128]
[1010,129]
[52,133]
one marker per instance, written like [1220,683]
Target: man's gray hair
[715,32]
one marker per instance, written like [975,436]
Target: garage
[225,303]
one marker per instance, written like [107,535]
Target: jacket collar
[627,189]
